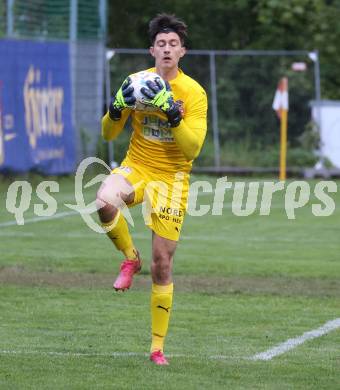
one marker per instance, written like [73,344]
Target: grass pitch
[242,286]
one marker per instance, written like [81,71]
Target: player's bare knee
[106,212]
[161,267]
[104,209]
[116,191]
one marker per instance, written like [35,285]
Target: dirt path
[229,285]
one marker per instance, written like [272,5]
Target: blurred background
[243,285]
[61,60]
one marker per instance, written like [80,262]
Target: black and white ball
[138,81]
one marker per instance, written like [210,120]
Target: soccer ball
[138,81]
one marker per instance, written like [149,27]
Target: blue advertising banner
[36,130]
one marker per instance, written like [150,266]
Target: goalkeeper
[163,145]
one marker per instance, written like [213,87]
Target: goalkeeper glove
[160,96]
[123,99]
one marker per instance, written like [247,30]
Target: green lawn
[242,286]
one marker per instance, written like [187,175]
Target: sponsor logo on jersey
[154,128]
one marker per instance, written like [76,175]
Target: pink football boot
[158,358]
[127,269]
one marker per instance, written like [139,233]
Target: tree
[241,24]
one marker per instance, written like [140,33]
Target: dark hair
[167,23]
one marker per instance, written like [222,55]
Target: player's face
[167,50]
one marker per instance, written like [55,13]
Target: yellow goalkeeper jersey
[153,143]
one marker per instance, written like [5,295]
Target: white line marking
[73,354]
[110,354]
[292,343]
[40,219]
[15,234]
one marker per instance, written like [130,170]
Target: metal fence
[53,19]
[243,130]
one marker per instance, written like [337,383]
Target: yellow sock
[161,301]
[118,232]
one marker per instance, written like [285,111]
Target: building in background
[327,114]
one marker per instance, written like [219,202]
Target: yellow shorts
[164,197]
